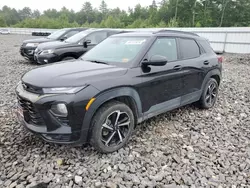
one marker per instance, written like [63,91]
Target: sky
[71,4]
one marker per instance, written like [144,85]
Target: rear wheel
[112,127]
[209,94]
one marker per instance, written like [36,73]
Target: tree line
[167,13]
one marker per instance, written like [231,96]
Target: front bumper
[46,58]
[27,52]
[38,118]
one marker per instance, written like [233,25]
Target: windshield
[57,34]
[116,50]
[78,37]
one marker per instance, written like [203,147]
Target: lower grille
[29,111]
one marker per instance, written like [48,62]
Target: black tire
[68,58]
[209,94]
[101,136]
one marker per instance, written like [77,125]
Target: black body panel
[152,89]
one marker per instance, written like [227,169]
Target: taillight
[220,59]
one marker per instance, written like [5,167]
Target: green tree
[2,22]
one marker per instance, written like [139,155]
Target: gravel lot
[187,147]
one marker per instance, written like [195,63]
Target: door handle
[206,62]
[177,67]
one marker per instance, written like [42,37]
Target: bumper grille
[29,111]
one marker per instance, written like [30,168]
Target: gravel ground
[187,147]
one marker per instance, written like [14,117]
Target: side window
[97,37]
[206,45]
[164,47]
[71,33]
[189,48]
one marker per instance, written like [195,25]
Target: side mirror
[156,60]
[86,43]
[63,38]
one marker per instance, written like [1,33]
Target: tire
[107,136]
[68,58]
[209,94]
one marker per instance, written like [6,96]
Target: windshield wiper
[95,61]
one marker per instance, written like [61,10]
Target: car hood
[55,45]
[38,40]
[71,73]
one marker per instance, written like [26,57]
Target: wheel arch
[216,74]
[68,54]
[127,95]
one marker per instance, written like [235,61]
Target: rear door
[193,61]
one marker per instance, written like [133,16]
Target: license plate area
[19,112]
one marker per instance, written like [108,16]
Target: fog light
[46,61]
[59,110]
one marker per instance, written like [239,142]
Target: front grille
[29,111]
[32,89]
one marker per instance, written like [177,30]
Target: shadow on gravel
[27,62]
[25,141]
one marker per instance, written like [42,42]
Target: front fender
[104,97]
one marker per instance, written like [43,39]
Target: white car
[4,31]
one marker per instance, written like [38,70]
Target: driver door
[161,87]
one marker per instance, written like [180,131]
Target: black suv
[73,47]
[123,81]
[28,47]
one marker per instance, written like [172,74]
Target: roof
[155,32]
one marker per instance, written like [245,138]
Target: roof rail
[176,31]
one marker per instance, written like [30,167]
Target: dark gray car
[28,47]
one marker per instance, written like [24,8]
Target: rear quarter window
[189,48]
[206,45]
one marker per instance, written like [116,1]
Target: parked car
[73,47]
[4,31]
[28,47]
[123,81]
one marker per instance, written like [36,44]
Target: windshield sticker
[125,60]
[135,42]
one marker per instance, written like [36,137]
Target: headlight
[66,90]
[47,52]
[32,44]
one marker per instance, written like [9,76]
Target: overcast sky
[71,4]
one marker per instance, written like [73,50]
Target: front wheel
[209,94]
[67,58]
[112,127]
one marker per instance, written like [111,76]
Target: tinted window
[57,34]
[206,45]
[79,36]
[71,33]
[97,37]
[189,49]
[164,47]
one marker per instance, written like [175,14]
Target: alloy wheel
[211,94]
[115,128]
